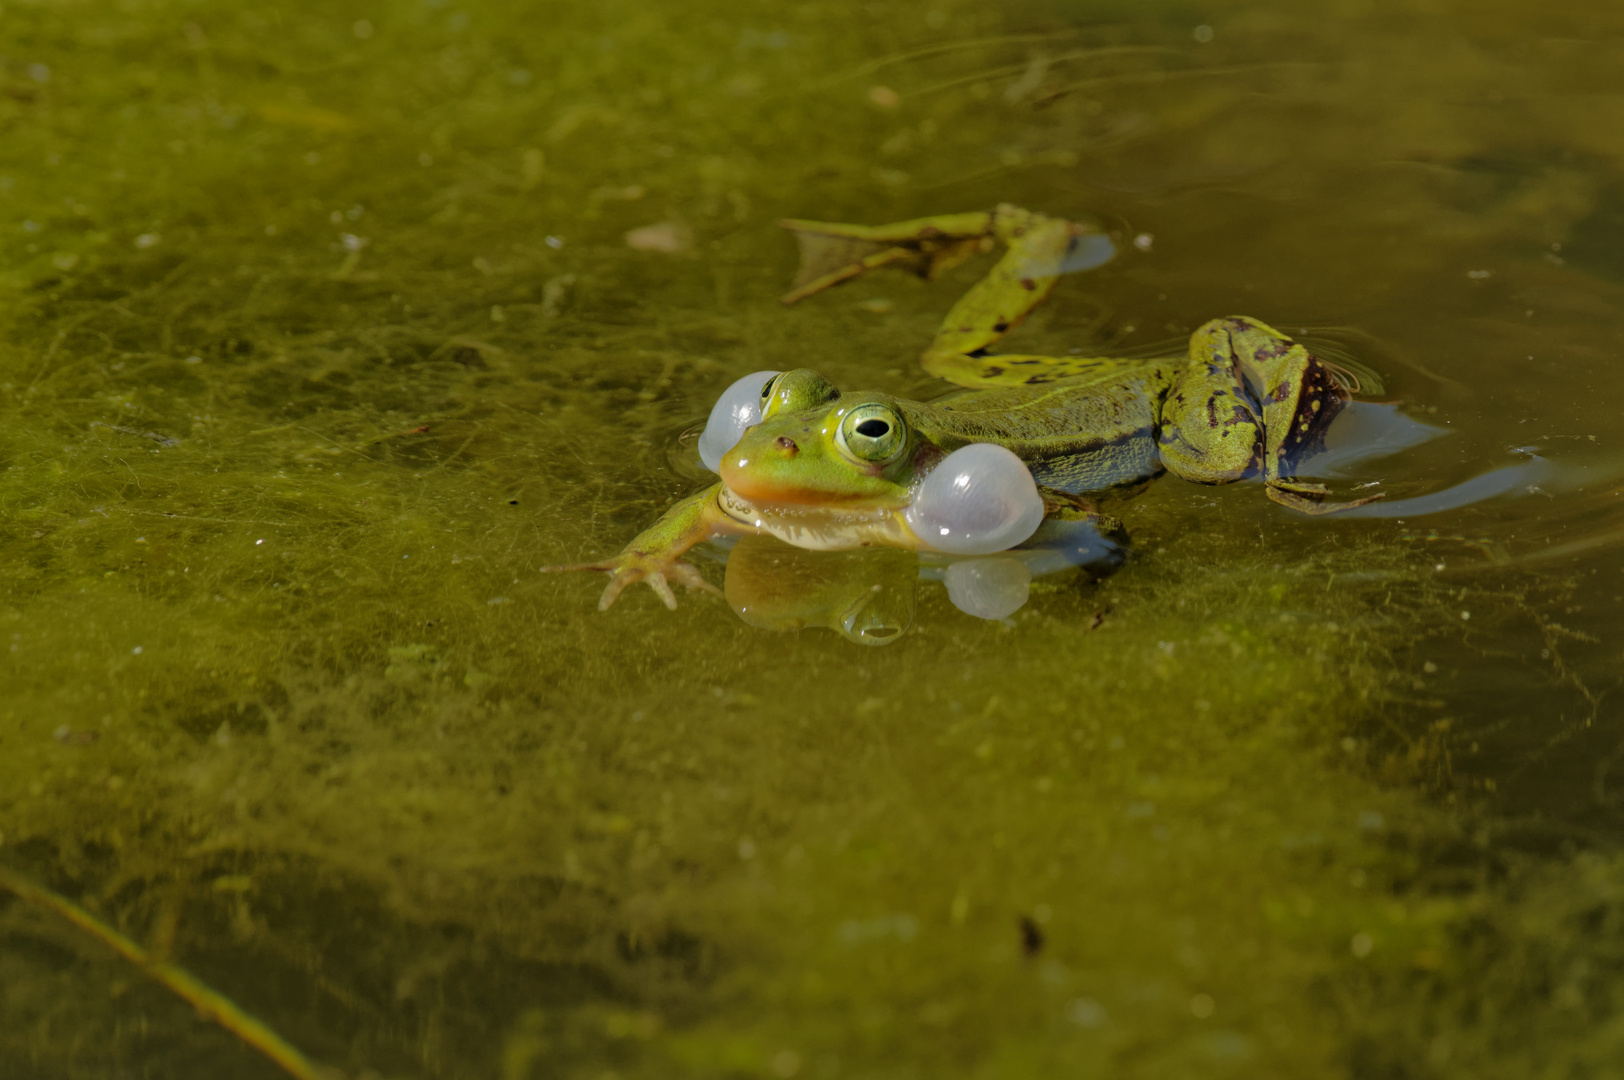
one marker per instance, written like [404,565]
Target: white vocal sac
[979,500]
[738,408]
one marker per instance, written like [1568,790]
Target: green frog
[1026,440]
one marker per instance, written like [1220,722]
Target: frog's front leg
[1251,400]
[652,556]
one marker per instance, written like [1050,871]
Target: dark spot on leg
[1000,326]
[1028,284]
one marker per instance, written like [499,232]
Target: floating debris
[884,97]
[668,237]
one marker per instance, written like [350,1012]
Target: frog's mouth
[749,485]
[820,528]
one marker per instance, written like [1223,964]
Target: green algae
[319,335]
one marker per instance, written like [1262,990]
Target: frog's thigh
[1300,396]
[1300,399]
[1020,281]
[1209,431]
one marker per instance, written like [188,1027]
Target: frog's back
[1079,434]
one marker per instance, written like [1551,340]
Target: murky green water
[320,334]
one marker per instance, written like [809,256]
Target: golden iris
[872,432]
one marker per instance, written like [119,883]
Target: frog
[1038,440]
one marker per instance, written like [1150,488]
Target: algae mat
[323,328]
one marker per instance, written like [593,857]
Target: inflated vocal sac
[979,500]
[738,408]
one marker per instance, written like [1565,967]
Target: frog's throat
[821,528]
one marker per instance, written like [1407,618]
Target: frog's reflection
[868,595]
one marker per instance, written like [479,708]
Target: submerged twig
[209,1003]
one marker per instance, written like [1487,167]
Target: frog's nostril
[787,445]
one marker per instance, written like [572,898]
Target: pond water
[323,327]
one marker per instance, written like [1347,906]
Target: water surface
[320,333]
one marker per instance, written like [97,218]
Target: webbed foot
[832,253]
[1310,498]
[630,567]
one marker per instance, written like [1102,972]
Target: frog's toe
[826,261]
[1310,498]
[658,578]
[688,575]
[662,588]
[832,253]
[611,592]
[622,576]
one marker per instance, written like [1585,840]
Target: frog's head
[817,447]
[826,469]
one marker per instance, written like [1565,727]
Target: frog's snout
[786,446]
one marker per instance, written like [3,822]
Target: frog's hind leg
[1251,400]
[833,253]
[1211,430]
[1300,396]
[1040,249]
[1038,252]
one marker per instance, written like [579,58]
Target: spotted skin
[1245,401]
[1249,402]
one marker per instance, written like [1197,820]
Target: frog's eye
[872,432]
[738,408]
[766,404]
[794,391]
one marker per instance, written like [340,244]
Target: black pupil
[873,428]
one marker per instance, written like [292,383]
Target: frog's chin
[820,528]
